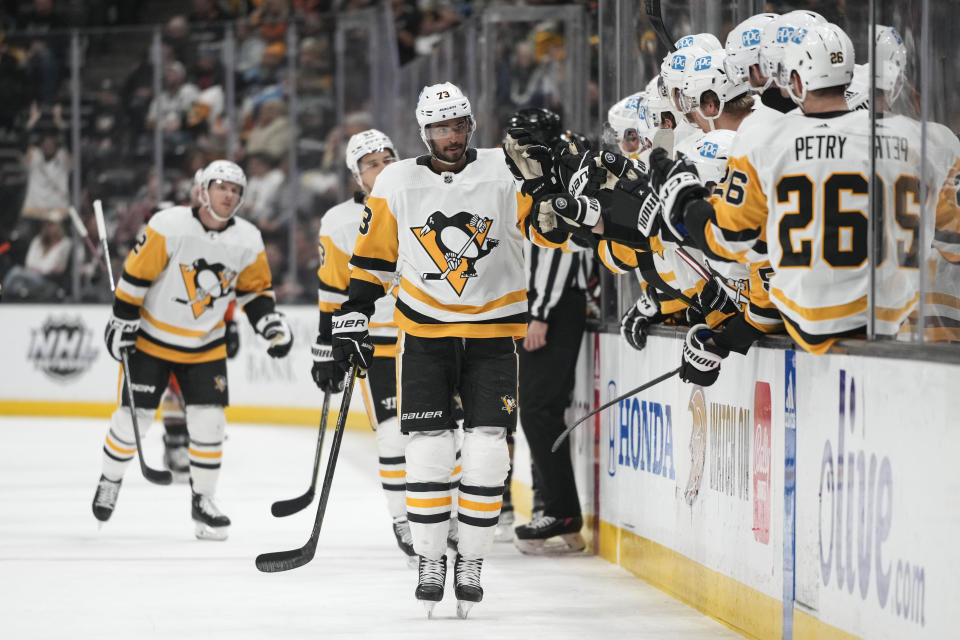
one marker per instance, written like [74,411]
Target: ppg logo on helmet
[783,34]
[702,63]
[751,38]
[632,104]
[709,150]
[684,42]
[679,63]
[798,36]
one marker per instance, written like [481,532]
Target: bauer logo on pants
[62,347]
[455,244]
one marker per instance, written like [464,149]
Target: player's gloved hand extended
[635,323]
[570,158]
[327,373]
[232,336]
[273,327]
[120,336]
[701,358]
[351,340]
[565,212]
[678,184]
[530,162]
[713,298]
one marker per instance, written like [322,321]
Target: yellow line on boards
[259,415]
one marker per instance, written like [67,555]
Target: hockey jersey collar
[828,114]
[196,215]
[425,161]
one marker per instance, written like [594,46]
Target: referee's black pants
[546,381]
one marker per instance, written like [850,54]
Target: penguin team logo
[205,283]
[323,254]
[220,383]
[509,404]
[455,243]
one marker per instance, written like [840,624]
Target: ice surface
[144,575]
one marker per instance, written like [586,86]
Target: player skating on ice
[368,153]
[461,302]
[182,273]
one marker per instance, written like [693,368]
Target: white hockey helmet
[657,104]
[439,102]
[222,171]
[891,56]
[708,74]
[624,117]
[713,151]
[777,33]
[743,46]
[674,69]
[360,144]
[822,56]
[706,41]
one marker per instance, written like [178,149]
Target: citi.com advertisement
[827,482]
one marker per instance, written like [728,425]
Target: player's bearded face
[448,139]
[224,197]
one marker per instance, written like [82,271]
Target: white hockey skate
[209,523]
[432,576]
[401,529]
[466,580]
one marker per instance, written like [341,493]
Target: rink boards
[838,466]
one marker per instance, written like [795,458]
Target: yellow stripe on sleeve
[147,258]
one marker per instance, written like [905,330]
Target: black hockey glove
[636,321]
[530,162]
[232,336]
[120,336]
[327,373]
[677,183]
[567,213]
[701,358]
[569,158]
[713,297]
[274,329]
[351,340]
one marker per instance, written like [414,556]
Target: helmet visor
[448,129]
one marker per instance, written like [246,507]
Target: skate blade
[428,606]
[503,533]
[206,532]
[463,608]
[558,545]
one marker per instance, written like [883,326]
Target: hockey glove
[530,162]
[351,340]
[713,298]
[232,336]
[327,373]
[678,184]
[569,159]
[636,321]
[701,358]
[567,213]
[120,336]
[274,328]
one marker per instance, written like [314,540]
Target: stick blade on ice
[283,508]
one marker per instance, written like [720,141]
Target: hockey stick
[643,387]
[282,508]
[656,21]
[286,560]
[463,250]
[156,476]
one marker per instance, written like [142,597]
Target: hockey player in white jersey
[185,269]
[452,223]
[627,131]
[368,153]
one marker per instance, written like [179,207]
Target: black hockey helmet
[567,136]
[544,124]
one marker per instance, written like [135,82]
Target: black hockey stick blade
[283,508]
[643,387]
[287,560]
[656,21]
[156,476]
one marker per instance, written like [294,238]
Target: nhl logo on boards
[62,347]
[455,244]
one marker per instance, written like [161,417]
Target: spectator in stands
[108,122]
[48,170]
[261,202]
[13,81]
[170,108]
[176,36]
[270,70]
[436,17]
[42,276]
[42,72]
[41,17]
[251,46]
[406,19]
[315,71]
[271,18]
[271,133]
